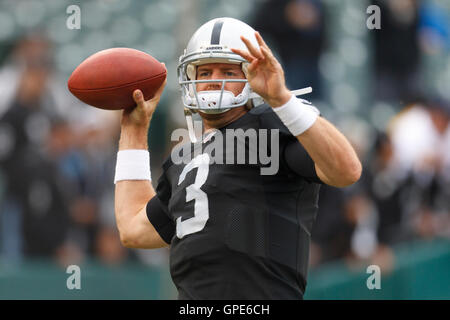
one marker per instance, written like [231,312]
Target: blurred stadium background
[388,90]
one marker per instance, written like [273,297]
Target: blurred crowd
[403,194]
[57,156]
[56,164]
[404,191]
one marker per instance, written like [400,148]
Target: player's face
[213,71]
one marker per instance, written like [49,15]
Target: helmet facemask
[212,43]
[211,101]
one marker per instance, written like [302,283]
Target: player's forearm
[133,137]
[131,196]
[332,153]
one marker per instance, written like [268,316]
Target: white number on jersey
[193,192]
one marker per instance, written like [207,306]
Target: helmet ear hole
[191,72]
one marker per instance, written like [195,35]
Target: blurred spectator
[418,134]
[434,27]
[397,53]
[387,186]
[408,176]
[57,164]
[403,193]
[431,216]
[33,210]
[108,249]
[296,29]
[331,234]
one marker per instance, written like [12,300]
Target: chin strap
[190,125]
[298,92]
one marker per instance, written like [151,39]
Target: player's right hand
[141,115]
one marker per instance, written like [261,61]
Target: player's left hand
[265,74]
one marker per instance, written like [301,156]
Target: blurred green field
[421,271]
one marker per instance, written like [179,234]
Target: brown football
[108,78]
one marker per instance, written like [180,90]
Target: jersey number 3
[193,192]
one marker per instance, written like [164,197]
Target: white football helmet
[212,43]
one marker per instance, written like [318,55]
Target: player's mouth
[212,116]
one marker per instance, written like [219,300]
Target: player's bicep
[144,234]
[150,228]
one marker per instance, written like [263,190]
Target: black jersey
[236,233]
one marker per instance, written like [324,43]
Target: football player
[234,232]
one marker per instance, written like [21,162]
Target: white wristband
[297,116]
[132,165]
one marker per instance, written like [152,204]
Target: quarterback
[233,232]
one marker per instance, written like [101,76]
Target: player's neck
[217,121]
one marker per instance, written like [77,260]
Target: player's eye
[203,73]
[230,74]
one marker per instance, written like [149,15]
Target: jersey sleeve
[157,210]
[293,155]
[298,160]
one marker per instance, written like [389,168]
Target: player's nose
[214,86]
[215,74]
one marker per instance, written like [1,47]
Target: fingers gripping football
[147,107]
[143,112]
